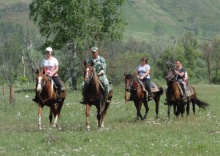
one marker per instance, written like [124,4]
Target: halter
[87,75]
[43,85]
[131,86]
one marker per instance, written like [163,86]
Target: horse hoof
[55,126]
[88,128]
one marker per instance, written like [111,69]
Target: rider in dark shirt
[180,72]
[180,76]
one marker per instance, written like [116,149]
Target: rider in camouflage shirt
[100,68]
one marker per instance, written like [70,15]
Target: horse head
[41,79]
[171,72]
[128,81]
[89,72]
[171,76]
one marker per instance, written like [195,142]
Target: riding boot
[150,97]
[35,99]
[59,99]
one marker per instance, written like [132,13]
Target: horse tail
[201,103]
[160,90]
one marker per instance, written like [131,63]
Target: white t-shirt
[49,65]
[143,70]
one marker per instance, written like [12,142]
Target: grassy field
[198,134]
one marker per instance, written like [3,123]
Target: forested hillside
[161,30]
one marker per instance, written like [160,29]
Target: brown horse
[47,96]
[138,94]
[174,94]
[94,95]
[191,97]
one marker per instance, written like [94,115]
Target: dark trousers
[58,84]
[147,85]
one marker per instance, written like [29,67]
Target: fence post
[3,89]
[12,98]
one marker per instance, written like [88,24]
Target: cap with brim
[49,49]
[94,49]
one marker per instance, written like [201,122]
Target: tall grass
[123,135]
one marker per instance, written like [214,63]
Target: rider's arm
[181,74]
[103,66]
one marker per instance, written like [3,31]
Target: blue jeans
[147,86]
[58,84]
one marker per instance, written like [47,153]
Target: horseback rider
[181,77]
[50,66]
[100,68]
[180,72]
[143,73]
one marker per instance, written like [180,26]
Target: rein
[43,88]
[131,85]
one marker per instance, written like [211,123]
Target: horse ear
[43,71]
[92,64]
[37,71]
[84,63]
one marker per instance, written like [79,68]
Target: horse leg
[104,114]
[194,105]
[87,116]
[57,114]
[157,102]
[40,109]
[168,112]
[138,107]
[51,116]
[99,116]
[146,109]
[182,110]
[178,111]
[188,106]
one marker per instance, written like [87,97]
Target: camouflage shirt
[99,64]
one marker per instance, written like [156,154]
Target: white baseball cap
[49,49]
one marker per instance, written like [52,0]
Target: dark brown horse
[191,97]
[138,94]
[94,95]
[174,94]
[47,96]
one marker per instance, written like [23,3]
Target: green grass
[123,135]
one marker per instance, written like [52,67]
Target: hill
[145,17]
[171,17]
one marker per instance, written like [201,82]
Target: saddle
[153,86]
[189,90]
[55,86]
[103,88]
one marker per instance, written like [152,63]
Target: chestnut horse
[138,95]
[94,95]
[193,98]
[47,96]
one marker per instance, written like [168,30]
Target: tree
[64,21]
[79,23]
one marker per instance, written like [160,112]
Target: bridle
[88,77]
[172,77]
[43,85]
[131,86]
